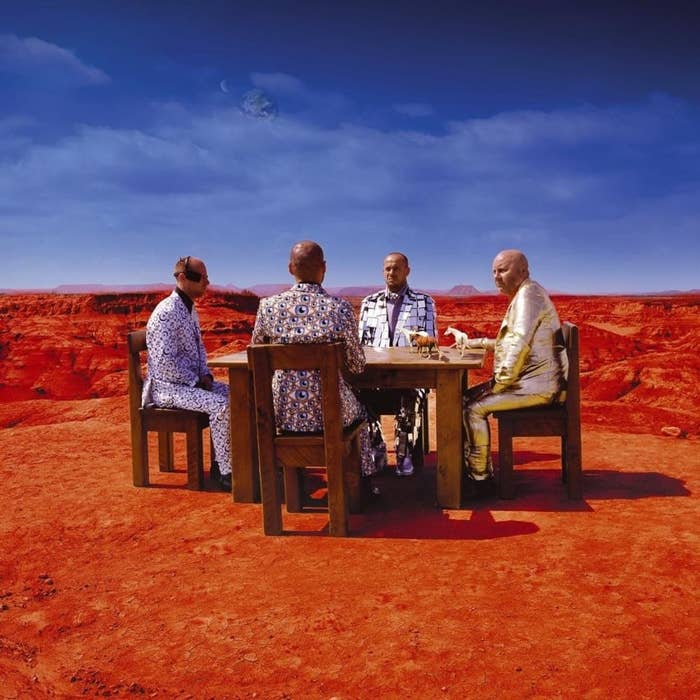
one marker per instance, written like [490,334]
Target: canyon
[639,361]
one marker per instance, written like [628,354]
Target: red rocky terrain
[639,361]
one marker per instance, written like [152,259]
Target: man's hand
[205,382]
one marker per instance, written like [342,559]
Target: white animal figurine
[461,339]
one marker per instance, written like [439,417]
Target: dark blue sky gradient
[449,130]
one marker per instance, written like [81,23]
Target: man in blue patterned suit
[384,316]
[178,376]
[307,313]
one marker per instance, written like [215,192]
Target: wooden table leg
[244,448]
[450,439]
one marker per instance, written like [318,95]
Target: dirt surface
[107,590]
[111,590]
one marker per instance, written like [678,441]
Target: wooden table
[390,368]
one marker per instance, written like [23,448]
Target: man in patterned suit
[384,316]
[306,313]
[178,376]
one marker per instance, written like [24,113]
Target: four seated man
[530,363]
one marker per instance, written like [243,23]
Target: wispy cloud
[414,109]
[541,180]
[280,84]
[33,57]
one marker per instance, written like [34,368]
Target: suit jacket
[176,354]
[529,355]
[417,313]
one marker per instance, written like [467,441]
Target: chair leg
[425,427]
[418,452]
[293,484]
[573,467]
[166,461]
[139,458]
[195,459]
[505,459]
[353,476]
[564,466]
[271,497]
[338,510]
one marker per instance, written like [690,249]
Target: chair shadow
[208,487]
[407,507]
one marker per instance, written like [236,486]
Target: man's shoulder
[415,295]
[373,298]
[531,288]
[169,304]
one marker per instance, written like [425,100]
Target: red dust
[110,590]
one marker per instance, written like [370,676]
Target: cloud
[279,83]
[414,109]
[589,185]
[38,59]
[582,126]
[297,98]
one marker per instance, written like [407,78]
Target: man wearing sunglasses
[178,376]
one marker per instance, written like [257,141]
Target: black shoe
[370,491]
[214,472]
[224,482]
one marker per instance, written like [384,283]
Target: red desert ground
[111,590]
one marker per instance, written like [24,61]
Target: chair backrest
[136,343]
[573,384]
[264,360]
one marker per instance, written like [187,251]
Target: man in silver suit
[530,362]
[384,316]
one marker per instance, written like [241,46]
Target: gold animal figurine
[424,343]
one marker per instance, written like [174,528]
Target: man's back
[306,313]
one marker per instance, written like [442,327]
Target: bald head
[191,276]
[306,263]
[510,270]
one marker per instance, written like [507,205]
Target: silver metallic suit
[530,369]
[415,311]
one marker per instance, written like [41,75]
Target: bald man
[384,316]
[530,362]
[178,376]
[306,313]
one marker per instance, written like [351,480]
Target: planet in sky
[223,86]
[258,104]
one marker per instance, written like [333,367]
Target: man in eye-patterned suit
[383,317]
[178,376]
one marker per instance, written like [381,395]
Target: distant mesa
[353,291]
[267,290]
[463,290]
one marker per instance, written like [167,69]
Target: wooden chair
[559,419]
[165,422]
[336,448]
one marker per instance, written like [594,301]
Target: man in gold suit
[530,364]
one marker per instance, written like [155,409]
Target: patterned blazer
[176,354]
[306,313]
[417,313]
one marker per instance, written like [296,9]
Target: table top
[405,358]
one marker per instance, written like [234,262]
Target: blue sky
[132,133]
